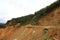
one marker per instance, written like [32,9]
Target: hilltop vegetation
[33,18]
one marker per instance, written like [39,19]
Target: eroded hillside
[43,25]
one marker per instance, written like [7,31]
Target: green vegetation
[46,37]
[33,18]
[22,20]
[58,0]
[41,13]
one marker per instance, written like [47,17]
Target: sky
[16,8]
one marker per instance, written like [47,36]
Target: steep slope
[52,19]
[43,25]
[33,18]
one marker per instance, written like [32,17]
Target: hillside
[42,25]
[34,18]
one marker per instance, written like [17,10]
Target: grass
[46,37]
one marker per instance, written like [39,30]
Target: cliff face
[38,26]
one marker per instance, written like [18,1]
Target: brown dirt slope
[47,28]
